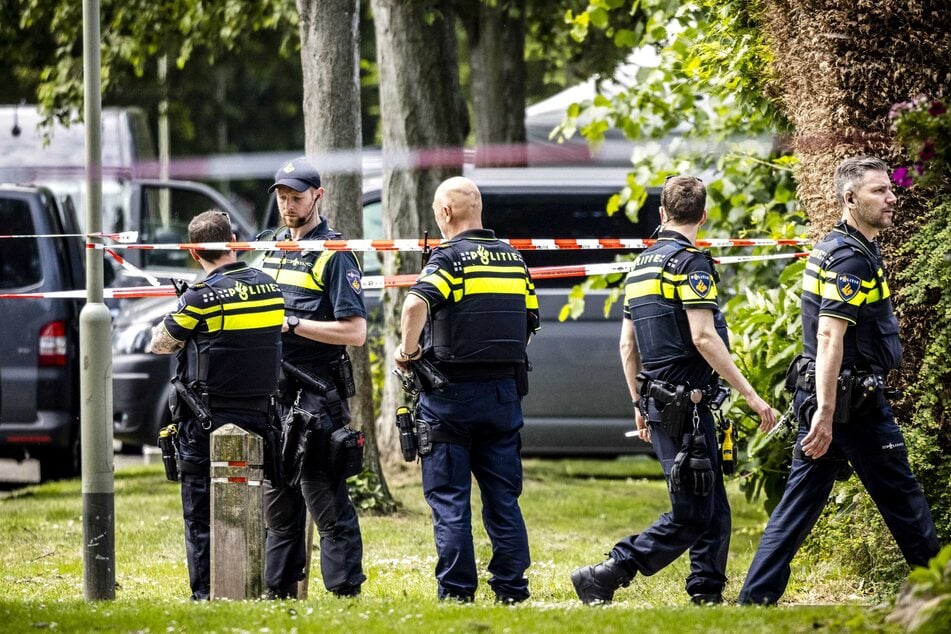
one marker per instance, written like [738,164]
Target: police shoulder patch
[700,283]
[429,269]
[847,285]
[353,277]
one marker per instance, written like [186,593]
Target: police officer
[674,343]
[476,300]
[325,313]
[227,332]
[850,341]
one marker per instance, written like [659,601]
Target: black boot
[596,584]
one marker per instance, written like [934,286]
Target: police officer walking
[850,342]
[476,301]
[227,333]
[325,313]
[674,343]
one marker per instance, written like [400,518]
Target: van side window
[165,215]
[575,214]
[19,257]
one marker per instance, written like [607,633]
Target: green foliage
[935,578]
[922,127]
[766,336]
[367,494]
[927,286]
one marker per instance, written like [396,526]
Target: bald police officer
[227,333]
[476,302]
[850,341]
[325,313]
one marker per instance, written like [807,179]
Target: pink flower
[937,109]
[927,151]
[901,177]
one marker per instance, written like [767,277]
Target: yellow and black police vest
[668,278]
[845,279]
[231,323]
[482,299]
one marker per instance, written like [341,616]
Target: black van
[39,347]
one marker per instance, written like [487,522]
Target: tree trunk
[496,36]
[422,111]
[330,60]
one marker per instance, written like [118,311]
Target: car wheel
[61,463]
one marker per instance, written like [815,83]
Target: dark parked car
[578,403]
[39,347]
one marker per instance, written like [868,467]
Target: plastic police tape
[410,245]
[373,282]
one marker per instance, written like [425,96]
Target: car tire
[61,463]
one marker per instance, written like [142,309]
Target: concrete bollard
[237,513]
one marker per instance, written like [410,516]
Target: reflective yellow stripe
[496,285]
[185,320]
[441,281]
[300,279]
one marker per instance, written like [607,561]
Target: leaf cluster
[922,128]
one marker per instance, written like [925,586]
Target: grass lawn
[575,511]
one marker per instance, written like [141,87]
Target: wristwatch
[292,323]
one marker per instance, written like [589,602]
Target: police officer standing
[674,343]
[325,313]
[476,301]
[850,342]
[227,332]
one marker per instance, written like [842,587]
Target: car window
[19,257]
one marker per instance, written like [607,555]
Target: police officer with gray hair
[850,342]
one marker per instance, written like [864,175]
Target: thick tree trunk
[330,59]
[496,37]
[422,110]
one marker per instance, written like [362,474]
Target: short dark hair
[684,199]
[851,172]
[213,225]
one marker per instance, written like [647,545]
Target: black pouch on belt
[346,452]
[675,414]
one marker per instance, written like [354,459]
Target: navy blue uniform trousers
[194,447]
[328,500]
[700,524]
[875,447]
[490,414]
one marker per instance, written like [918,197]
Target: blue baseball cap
[298,174]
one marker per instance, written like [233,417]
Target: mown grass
[574,509]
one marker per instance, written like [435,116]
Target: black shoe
[596,584]
[458,598]
[346,592]
[509,600]
[707,599]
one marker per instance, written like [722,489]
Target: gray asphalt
[14,475]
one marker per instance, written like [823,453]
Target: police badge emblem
[847,285]
[700,283]
[353,276]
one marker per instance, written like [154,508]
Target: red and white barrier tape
[521,244]
[373,282]
[122,237]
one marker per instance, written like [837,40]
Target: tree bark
[422,111]
[330,60]
[496,34]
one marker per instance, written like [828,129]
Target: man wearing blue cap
[324,314]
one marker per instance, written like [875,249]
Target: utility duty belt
[854,389]
[678,403]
